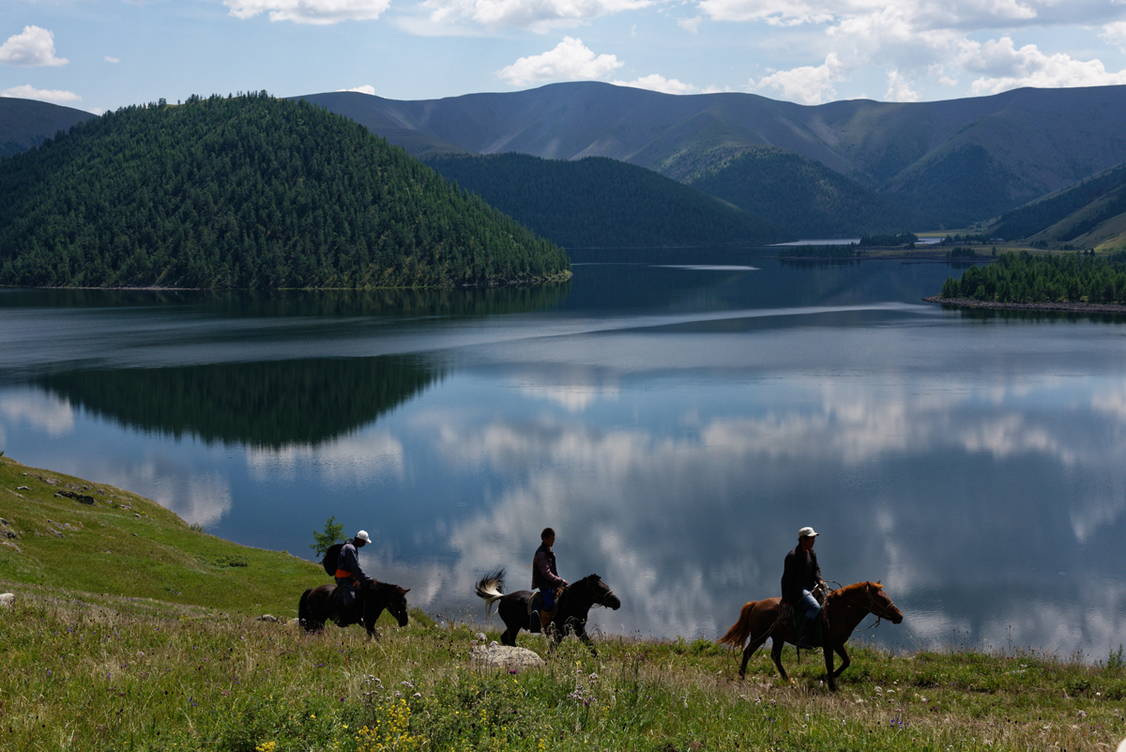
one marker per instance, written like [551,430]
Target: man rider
[349,575]
[800,576]
[545,577]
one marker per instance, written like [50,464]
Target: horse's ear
[405,590]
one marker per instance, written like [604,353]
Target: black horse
[516,609]
[318,605]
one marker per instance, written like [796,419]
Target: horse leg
[844,660]
[580,632]
[511,629]
[829,675]
[776,645]
[748,651]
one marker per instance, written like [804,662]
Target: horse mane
[855,587]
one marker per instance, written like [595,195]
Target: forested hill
[248,192]
[800,195]
[602,202]
[1088,215]
[25,123]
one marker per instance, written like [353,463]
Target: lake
[675,416]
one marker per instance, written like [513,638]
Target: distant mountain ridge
[26,123]
[601,202]
[957,161]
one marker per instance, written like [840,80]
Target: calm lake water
[676,417]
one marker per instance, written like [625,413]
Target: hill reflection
[269,404]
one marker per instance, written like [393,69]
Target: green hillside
[248,192]
[25,123]
[601,202]
[800,195]
[1091,214]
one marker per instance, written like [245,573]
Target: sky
[98,55]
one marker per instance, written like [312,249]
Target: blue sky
[103,54]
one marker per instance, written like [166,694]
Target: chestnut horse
[844,608]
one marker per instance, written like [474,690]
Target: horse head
[599,592]
[391,597]
[880,604]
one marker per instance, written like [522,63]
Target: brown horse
[318,605]
[844,608]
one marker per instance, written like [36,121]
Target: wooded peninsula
[1027,281]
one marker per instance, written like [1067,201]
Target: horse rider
[545,578]
[349,575]
[800,577]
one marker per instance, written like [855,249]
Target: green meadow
[132,631]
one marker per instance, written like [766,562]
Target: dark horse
[571,610]
[844,608]
[318,604]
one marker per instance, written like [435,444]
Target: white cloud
[1006,66]
[362,89]
[1115,33]
[112,59]
[319,12]
[691,25]
[807,84]
[47,95]
[537,15]
[570,60]
[899,89]
[657,82]
[46,413]
[360,458]
[34,46]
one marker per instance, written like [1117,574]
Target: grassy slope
[192,669]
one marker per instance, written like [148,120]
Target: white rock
[480,637]
[504,656]
[7,598]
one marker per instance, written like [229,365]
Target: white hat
[807,532]
[363,535]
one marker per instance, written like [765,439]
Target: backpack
[331,556]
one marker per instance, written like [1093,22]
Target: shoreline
[991,305]
[543,281]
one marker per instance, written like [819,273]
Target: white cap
[807,532]
[363,535]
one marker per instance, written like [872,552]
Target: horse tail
[491,587]
[303,609]
[741,629]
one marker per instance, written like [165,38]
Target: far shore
[992,305]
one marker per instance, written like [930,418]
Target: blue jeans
[810,604]
[547,596]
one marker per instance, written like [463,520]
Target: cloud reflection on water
[944,494]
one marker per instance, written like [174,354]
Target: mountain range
[955,162]
[842,168]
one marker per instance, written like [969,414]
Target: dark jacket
[800,573]
[544,572]
[349,562]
